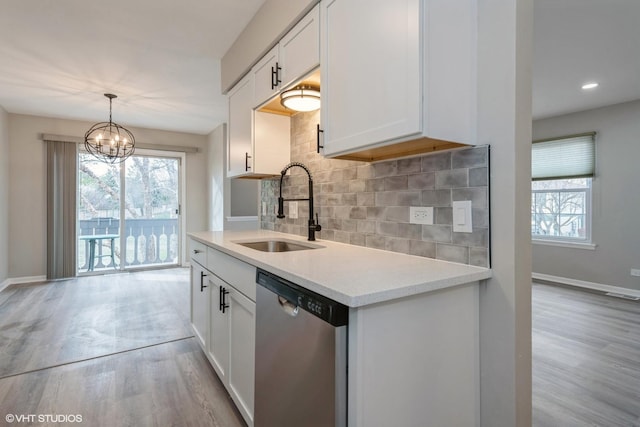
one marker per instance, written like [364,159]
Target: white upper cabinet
[240,131]
[300,48]
[258,144]
[394,72]
[297,53]
[266,74]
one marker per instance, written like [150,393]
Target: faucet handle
[317,224]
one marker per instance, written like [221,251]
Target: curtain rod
[79,140]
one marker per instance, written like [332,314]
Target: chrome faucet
[313,223]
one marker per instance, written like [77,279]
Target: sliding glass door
[128,214]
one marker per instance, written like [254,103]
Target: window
[562,171]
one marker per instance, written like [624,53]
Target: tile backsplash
[368,204]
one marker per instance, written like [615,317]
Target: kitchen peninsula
[413,343]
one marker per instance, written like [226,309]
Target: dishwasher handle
[289,308]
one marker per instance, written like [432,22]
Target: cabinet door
[240,136]
[200,303]
[370,72]
[267,74]
[219,337]
[300,48]
[242,330]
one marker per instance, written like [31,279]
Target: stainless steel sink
[277,245]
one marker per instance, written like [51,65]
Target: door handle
[246,162]
[289,308]
[275,76]
[223,299]
[318,132]
[202,285]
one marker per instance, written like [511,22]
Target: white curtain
[62,160]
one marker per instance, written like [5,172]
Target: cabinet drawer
[198,252]
[238,274]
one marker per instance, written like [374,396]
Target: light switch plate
[421,215]
[462,222]
[293,210]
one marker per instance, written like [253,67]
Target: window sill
[573,245]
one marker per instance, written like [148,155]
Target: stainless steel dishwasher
[301,356]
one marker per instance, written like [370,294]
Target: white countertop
[352,275]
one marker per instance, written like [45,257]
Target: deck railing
[148,241]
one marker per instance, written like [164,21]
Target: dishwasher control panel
[320,306]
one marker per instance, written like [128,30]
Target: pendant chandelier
[108,141]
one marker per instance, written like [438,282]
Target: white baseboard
[4,284]
[587,285]
[19,280]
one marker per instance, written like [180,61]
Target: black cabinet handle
[197,251]
[318,132]
[275,76]
[246,162]
[223,299]
[202,285]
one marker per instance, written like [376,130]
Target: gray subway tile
[388,168]
[411,165]
[436,162]
[436,198]
[358,239]
[480,217]
[410,231]
[478,177]
[423,249]
[387,228]
[393,183]
[357,185]
[477,195]
[358,212]
[365,226]
[452,253]
[452,178]
[375,241]
[376,184]
[478,237]
[469,157]
[421,181]
[443,216]
[397,214]
[479,257]
[395,244]
[436,233]
[365,199]
[386,198]
[409,198]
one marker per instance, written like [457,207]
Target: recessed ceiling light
[590,85]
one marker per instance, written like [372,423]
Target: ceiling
[578,41]
[162,58]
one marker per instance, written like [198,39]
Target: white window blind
[560,158]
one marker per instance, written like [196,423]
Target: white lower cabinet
[223,321]
[200,303]
[232,343]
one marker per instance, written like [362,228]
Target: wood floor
[116,350]
[586,359]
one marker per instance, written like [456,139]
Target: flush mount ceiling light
[591,85]
[108,141]
[301,98]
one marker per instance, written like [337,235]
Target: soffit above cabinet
[272,21]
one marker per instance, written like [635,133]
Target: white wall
[616,205]
[27,193]
[504,122]
[4,196]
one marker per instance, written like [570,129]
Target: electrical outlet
[293,210]
[421,215]
[635,272]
